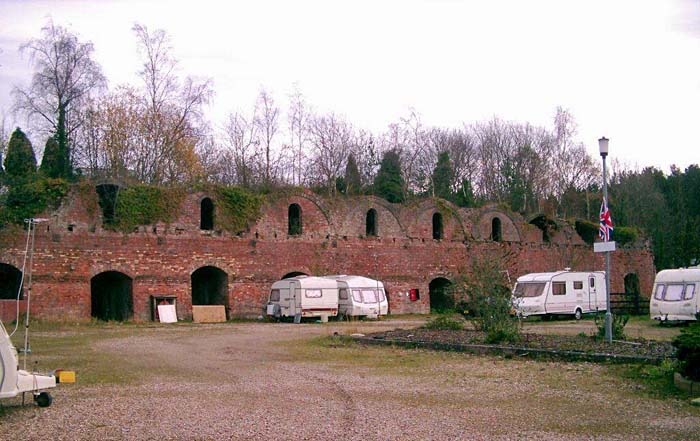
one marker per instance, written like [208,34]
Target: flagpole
[603,145]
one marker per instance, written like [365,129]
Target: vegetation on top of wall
[589,231]
[145,205]
[30,198]
[237,208]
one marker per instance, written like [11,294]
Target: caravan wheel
[43,399]
[578,314]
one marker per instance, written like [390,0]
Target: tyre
[578,314]
[43,399]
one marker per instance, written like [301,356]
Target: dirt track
[265,381]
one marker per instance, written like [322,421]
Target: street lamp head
[603,146]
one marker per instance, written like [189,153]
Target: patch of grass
[654,381]
[445,323]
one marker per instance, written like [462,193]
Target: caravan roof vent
[567,269]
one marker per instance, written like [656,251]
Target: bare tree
[332,141]
[267,123]
[172,119]
[298,117]
[65,77]
[242,153]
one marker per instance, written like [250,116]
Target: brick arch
[422,225]
[223,266]
[510,230]
[318,202]
[118,268]
[352,217]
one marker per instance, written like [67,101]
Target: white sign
[603,247]
[167,314]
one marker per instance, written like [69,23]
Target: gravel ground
[264,381]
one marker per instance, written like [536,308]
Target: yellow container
[66,376]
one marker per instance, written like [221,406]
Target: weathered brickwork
[72,248]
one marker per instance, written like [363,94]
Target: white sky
[629,70]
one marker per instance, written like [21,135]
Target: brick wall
[161,258]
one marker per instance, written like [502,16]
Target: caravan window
[559,288]
[689,292]
[528,289]
[674,293]
[578,284]
[369,296]
[382,295]
[659,293]
[275,295]
[343,294]
[591,282]
[356,296]
[313,293]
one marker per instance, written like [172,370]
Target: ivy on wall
[236,208]
[145,205]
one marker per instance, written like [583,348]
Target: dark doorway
[294,274]
[294,220]
[371,223]
[112,298]
[547,225]
[10,282]
[441,298]
[107,195]
[206,221]
[437,226]
[209,286]
[632,292]
[496,229]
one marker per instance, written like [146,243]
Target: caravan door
[592,293]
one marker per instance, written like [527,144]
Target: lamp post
[603,147]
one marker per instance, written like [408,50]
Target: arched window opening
[10,282]
[437,226]
[294,274]
[209,286]
[206,221]
[441,297]
[111,296]
[294,219]
[371,223]
[496,229]
[107,195]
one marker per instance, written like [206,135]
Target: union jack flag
[606,225]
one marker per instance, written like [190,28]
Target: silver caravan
[303,296]
[676,295]
[360,296]
[561,292]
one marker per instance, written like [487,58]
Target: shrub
[145,205]
[618,325]
[687,346]
[444,323]
[587,230]
[487,298]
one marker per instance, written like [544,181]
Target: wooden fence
[628,303]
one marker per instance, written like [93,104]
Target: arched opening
[209,286]
[107,195]
[371,223]
[632,292]
[111,296]
[441,297]
[293,274]
[547,225]
[206,219]
[437,226]
[294,220]
[496,229]
[10,282]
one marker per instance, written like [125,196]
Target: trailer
[360,296]
[675,295]
[560,292]
[303,296]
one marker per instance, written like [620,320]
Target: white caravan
[360,296]
[561,292]
[676,293]
[15,381]
[303,296]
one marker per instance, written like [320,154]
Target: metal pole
[608,314]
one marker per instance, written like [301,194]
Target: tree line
[156,132]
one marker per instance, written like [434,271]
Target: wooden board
[209,314]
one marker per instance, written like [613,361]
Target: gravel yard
[284,381]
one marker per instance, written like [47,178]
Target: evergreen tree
[20,162]
[443,177]
[465,195]
[353,183]
[53,164]
[388,183]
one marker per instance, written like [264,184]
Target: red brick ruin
[82,270]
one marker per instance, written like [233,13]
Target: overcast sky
[629,70]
